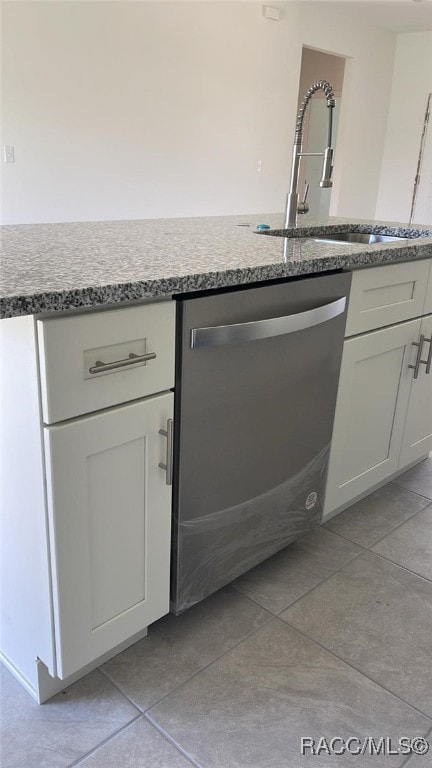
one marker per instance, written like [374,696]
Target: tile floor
[331,637]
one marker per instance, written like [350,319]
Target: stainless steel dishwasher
[256,385]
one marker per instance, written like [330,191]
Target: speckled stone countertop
[56,267]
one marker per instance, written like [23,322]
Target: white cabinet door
[370,414]
[109,518]
[417,439]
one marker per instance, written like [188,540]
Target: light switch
[9,153]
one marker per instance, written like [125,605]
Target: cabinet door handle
[419,345]
[132,359]
[428,361]
[168,467]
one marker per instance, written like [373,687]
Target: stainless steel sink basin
[358,237]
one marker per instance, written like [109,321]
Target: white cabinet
[85,505]
[109,511]
[373,394]
[383,420]
[417,437]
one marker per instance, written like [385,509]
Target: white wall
[146,109]
[412,82]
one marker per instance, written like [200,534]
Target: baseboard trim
[49,686]
[18,675]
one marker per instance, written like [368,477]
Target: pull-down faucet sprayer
[293,206]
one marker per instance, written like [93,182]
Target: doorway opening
[318,65]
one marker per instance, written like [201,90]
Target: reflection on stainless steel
[292,249]
[359,237]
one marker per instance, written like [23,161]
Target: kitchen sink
[358,237]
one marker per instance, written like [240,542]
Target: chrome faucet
[293,206]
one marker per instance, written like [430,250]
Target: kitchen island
[57,267]
[85,534]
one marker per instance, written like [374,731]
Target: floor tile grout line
[144,712]
[105,741]
[128,698]
[400,524]
[402,487]
[271,616]
[427,736]
[315,585]
[392,482]
[141,715]
[246,637]
[367,549]
[276,615]
[254,602]
[172,741]
[403,567]
[350,541]
[363,552]
[358,671]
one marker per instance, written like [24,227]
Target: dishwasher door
[256,388]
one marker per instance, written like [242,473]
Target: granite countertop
[56,267]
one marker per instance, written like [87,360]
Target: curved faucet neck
[319,85]
[293,207]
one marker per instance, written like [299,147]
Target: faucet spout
[327,168]
[292,207]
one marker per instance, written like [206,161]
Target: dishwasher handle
[218,335]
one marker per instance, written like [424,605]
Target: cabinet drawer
[386,295]
[87,360]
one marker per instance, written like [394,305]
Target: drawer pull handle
[416,366]
[132,359]
[428,361]
[168,467]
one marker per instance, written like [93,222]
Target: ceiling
[396,15]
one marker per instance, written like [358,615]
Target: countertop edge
[300,260]
[126,293]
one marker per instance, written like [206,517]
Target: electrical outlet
[259,166]
[9,153]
